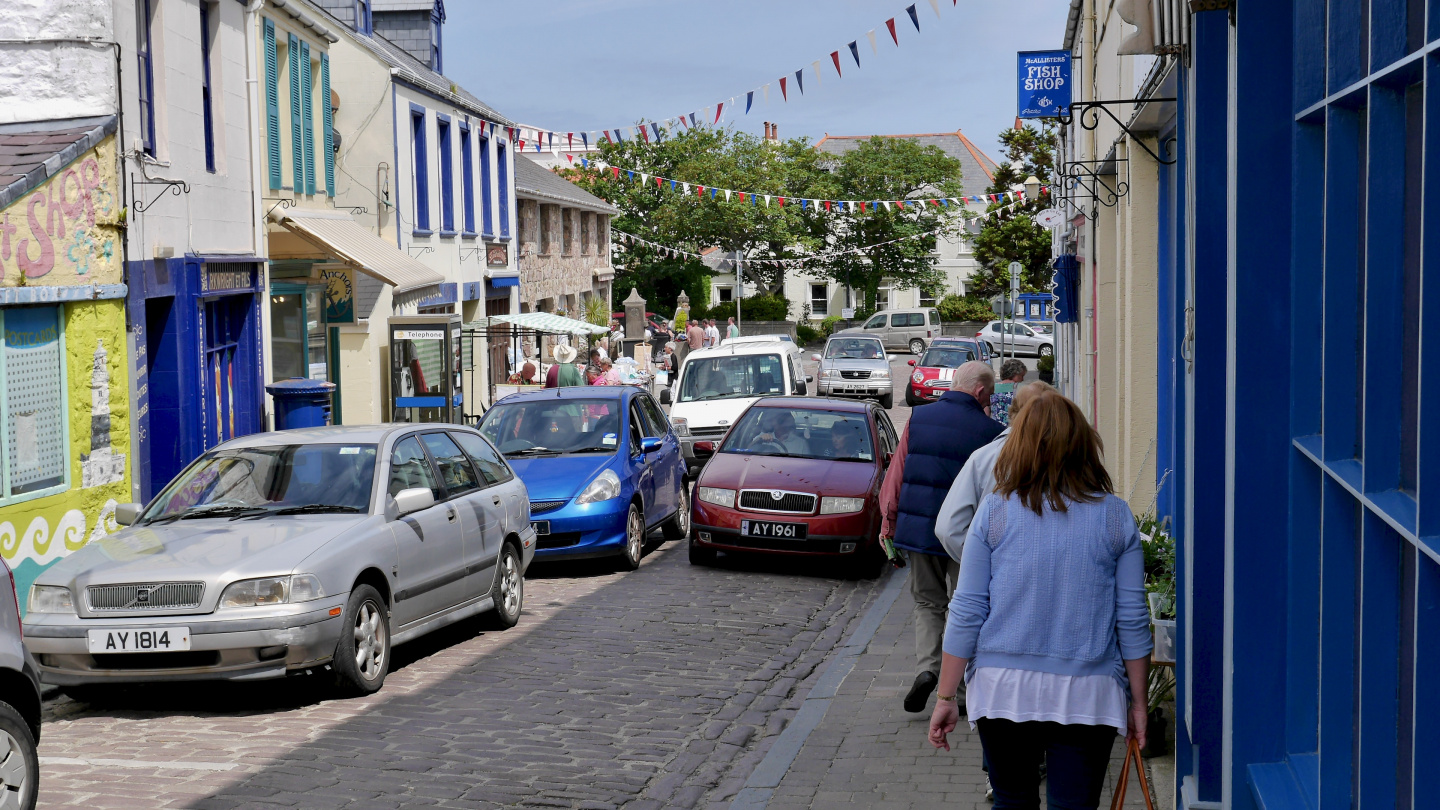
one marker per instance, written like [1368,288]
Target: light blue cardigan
[1062,592]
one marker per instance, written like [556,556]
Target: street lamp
[1032,188]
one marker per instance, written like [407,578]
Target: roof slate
[32,153]
[973,162]
[534,180]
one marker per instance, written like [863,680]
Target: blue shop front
[198,359]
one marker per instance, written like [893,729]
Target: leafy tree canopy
[1014,236]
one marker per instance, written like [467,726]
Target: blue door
[227,371]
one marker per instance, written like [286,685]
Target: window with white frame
[32,408]
[819,300]
[725,294]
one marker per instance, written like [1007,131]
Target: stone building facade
[564,242]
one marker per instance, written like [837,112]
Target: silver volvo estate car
[291,551]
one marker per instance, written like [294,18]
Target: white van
[716,385]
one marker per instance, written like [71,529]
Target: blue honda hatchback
[602,467]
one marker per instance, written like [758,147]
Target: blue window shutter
[487,220]
[297,135]
[307,115]
[272,106]
[422,172]
[327,120]
[467,179]
[447,186]
[501,156]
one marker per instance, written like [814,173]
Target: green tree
[1013,236]
[887,173]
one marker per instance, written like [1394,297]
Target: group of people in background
[1027,574]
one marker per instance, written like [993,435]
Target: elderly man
[937,442]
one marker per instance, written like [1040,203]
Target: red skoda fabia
[796,476]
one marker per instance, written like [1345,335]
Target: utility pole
[1015,270]
[739,284]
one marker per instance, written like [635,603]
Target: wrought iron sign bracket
[357,210]
[280,202]
[422,248]
[175,187]
[474,251]
[1088,113]
[1082,174]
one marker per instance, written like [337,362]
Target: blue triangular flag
[585,163]
[855,52]
[944,202]
[910,9]
[632,174]
[655,128]
[713,192]
[672,185]
[585,139]
[800,80]
[749,97]
[692,119]
[802,203]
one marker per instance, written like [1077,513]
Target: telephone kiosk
[425,380]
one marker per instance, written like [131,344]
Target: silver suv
[902,329]
[854,366]
[19,706]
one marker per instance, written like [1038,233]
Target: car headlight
[50,599]
[271,591]
[918,377]
[829,372]
[680,425]
[718,496]
[881,374]
[605,486]
[840,506]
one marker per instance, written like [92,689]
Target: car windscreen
[290,477]
[854,349]
[946,356]
[732,376]
[554,426]
[801,433]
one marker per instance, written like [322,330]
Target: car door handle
[496,499]
[450,514]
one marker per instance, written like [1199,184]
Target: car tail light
[928,333]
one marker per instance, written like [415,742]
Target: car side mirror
[650,444]
[815,357]
[664,396]
[809,378]
[703,449]
[890,358]
[127,513]
[413,500]
[911,362]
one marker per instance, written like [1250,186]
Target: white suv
[19,705]
[716,385]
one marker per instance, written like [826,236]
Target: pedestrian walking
[712,334]
[935,445]
[567,374]
[695,335]
[732,331]
[1012,373]
[1048,623]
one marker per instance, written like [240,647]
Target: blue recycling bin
[301,403]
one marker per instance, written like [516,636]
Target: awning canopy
[335,232]
[543,322]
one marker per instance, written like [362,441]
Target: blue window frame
[209,119]
[487,197]
[500,157]
[447,175]
[272,106]
[34,404]
[467,180]
[145,73]
[435,23]
[297,127]
[363,21]
[421,159]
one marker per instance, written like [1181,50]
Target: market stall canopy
[336,233]
[543,322]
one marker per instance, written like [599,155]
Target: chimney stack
[772,131]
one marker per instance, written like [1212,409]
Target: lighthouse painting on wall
[102,465]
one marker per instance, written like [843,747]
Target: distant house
[826,297]
[564,242]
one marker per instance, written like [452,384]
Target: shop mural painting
[67,230]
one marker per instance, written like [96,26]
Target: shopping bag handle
[1132,751]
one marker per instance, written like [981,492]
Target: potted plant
[1159,689]
[1160,584]
[1046,366]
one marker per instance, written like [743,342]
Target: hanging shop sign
[1044,83]
[497,256]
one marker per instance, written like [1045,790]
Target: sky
[572,65]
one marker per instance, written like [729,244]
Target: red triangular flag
[571,137]
[570,158]
[699,191]
[827,205]
[935,203]
[718,108]
[742,195]
[659,182]
[890,23]
[835,57]
[616,171]
[644,135]
[782,89]
[782,201]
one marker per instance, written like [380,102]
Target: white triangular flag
[816,65]
[887,204]
[935,4]
[870,35]
[765,92]
[687,188]
[727,195]
[645,178]
[767,200]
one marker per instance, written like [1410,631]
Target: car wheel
[19,761]
[699,555]
[678,527]
[866,564]
[362,658]
[993,352]
[1047,351]
[910,398]
[917,346]
[508,591]
[634,537]
[888,401]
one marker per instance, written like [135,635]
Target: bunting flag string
[801,262]
[714,113]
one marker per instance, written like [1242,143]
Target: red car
[796,476]
[934,372]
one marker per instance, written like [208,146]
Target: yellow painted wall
[65,231]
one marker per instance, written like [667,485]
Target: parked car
[716,385]
[798,353]
[934,372]
[855,366]
[902,329]
[653,322]
[980,347]
[602,467]
[288,552]
[19,706]
[1017,338]
[796,476]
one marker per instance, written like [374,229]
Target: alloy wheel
[509,584]
[15,785]
[634,537]
[370,641]
[682,519]
[917,346]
